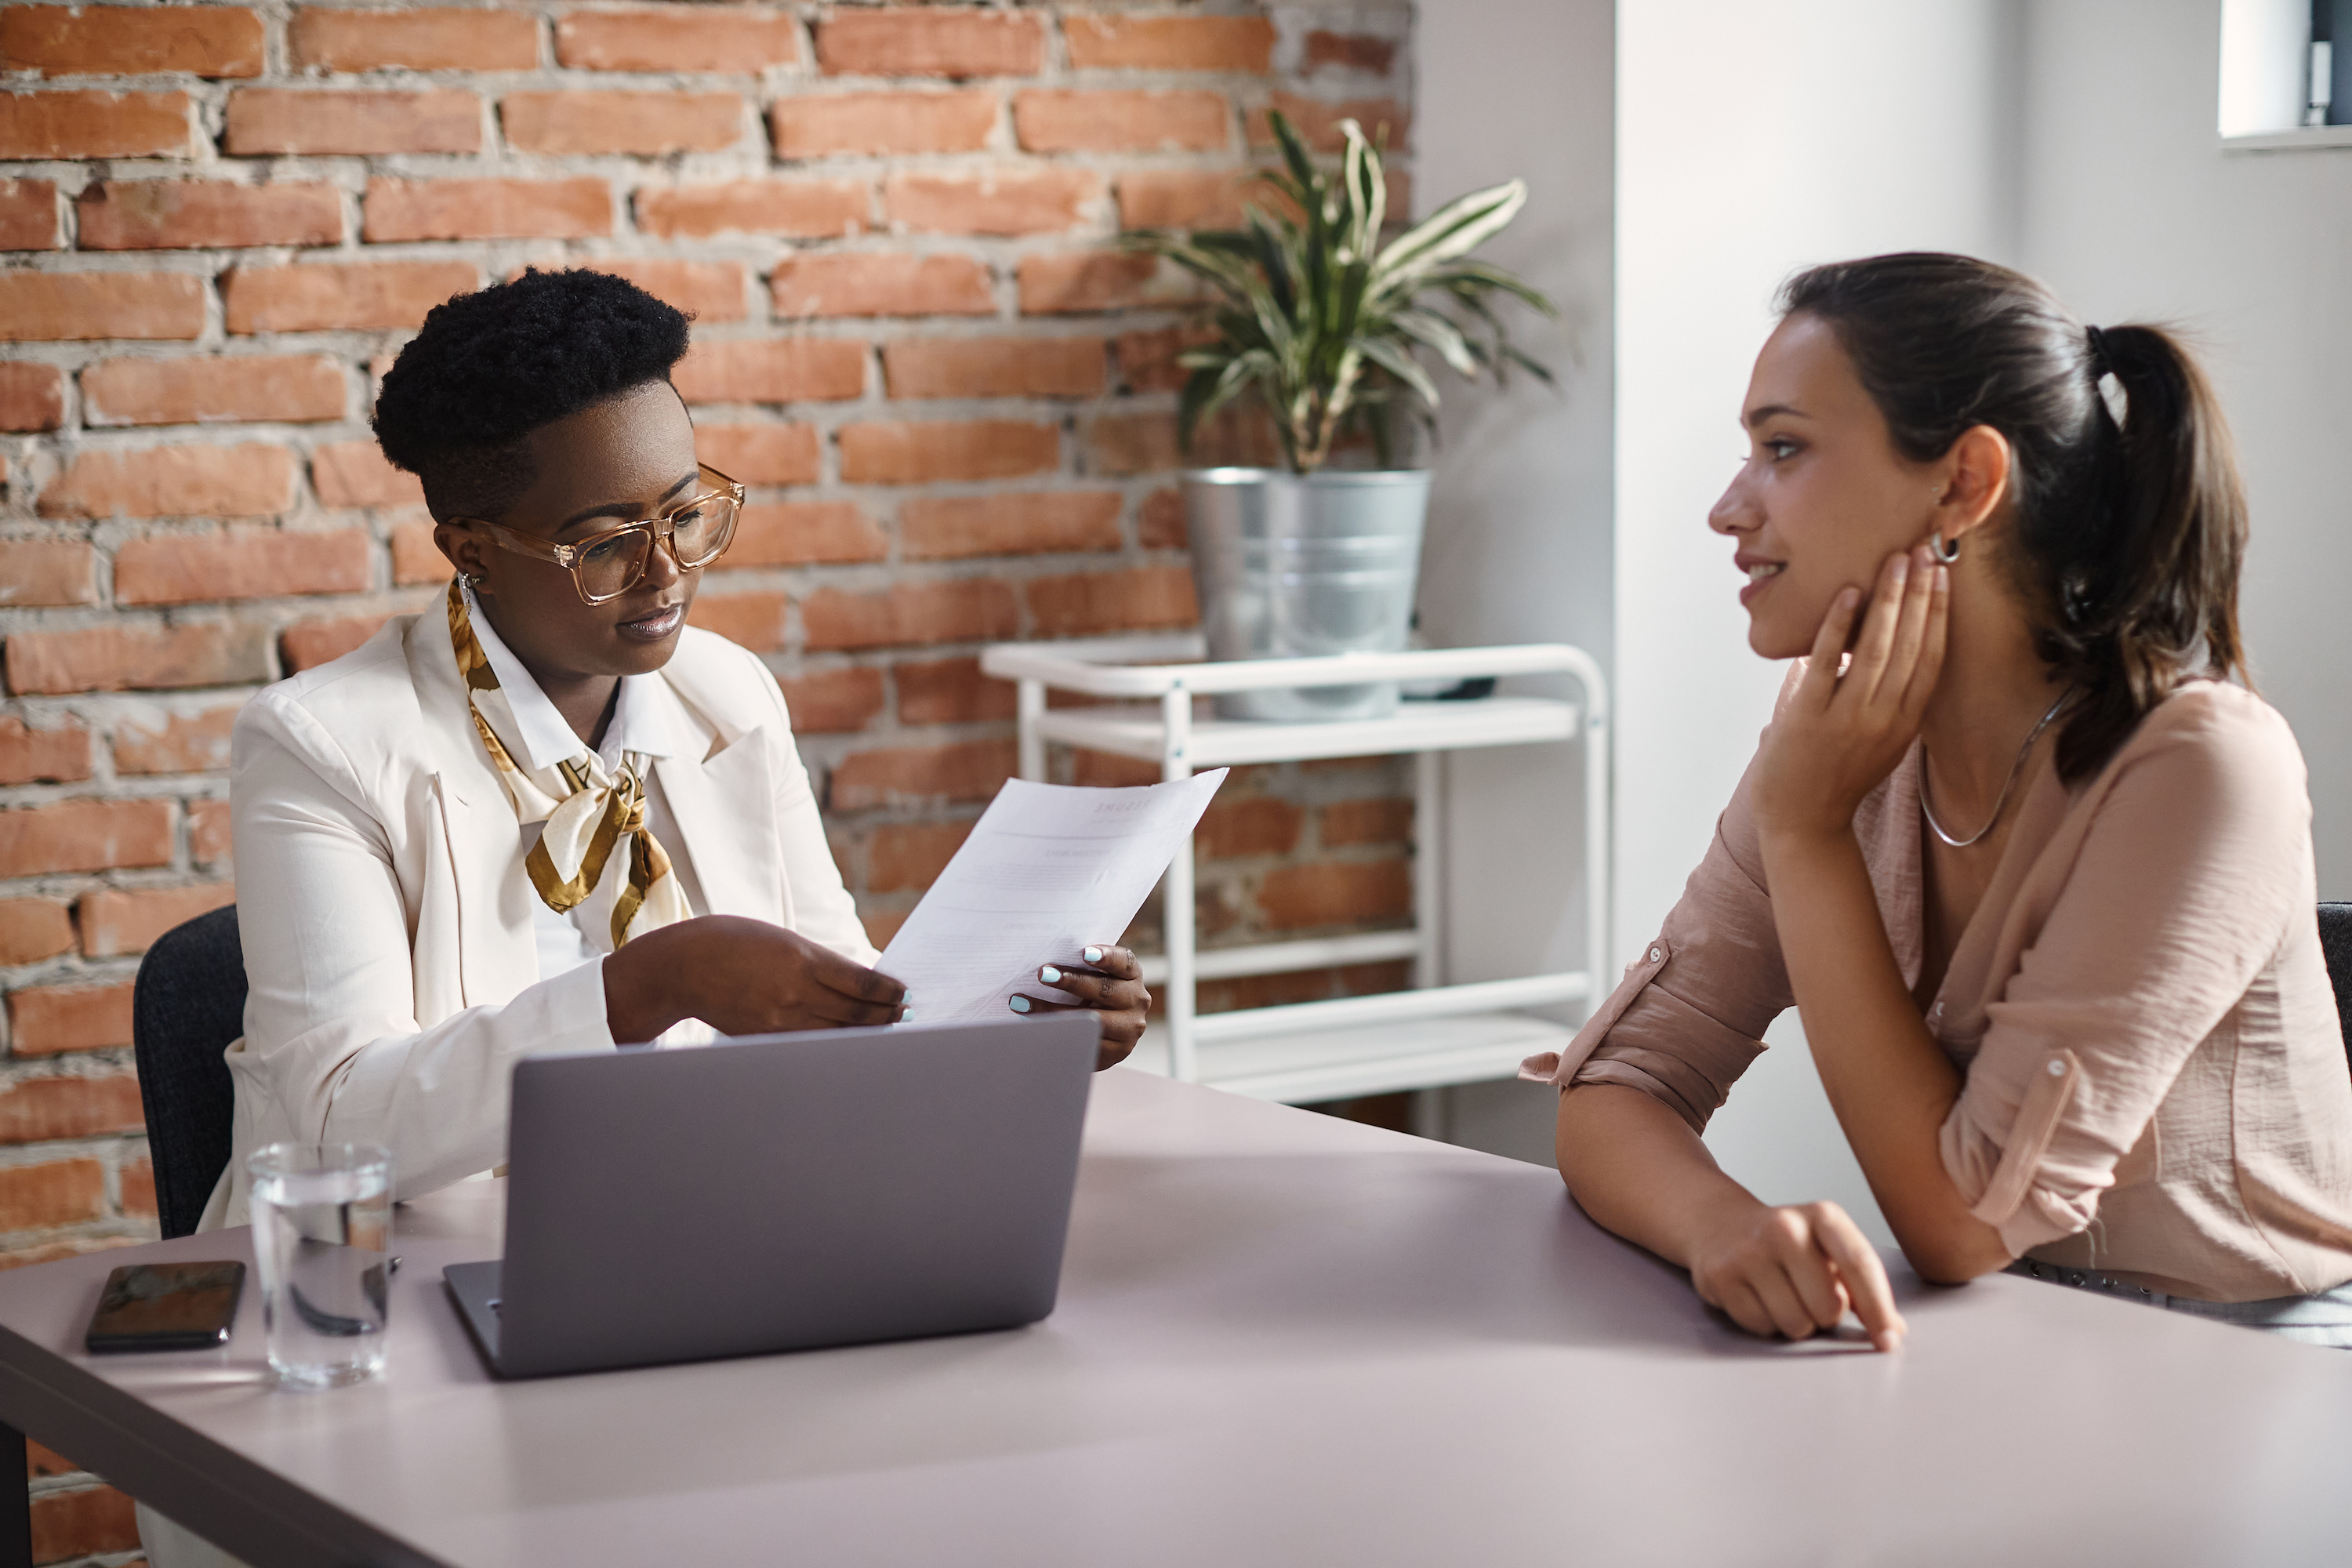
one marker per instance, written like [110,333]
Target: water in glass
[322,1236]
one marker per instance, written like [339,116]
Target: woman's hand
[1840,734]
[1795,1272]
[1111,985]
[741,977]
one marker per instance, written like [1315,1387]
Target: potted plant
[1321,326]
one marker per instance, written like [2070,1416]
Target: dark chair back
[187,1007]
[2336,940]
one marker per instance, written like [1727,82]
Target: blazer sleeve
[331,1032]
[822,909]
[2194,862]
[1691,1012]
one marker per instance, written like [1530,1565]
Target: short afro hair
[490,367]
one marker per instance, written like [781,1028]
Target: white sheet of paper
[1047,870]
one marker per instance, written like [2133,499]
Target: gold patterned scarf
[588,807]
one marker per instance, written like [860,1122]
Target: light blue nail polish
[1093,955]
[907,1016]
[1050,976]
[1019,1003]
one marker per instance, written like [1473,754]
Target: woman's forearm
[1890,1084]
[1639,1172]
[645,980]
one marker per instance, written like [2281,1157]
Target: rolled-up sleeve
[1690,1013]
[2180,894]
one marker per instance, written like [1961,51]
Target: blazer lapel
[726,815]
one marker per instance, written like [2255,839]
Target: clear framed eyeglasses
[608,564]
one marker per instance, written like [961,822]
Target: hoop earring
[1945,552]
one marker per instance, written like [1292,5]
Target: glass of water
[322,1236]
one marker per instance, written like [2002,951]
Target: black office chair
[2336,941]
[186,1006]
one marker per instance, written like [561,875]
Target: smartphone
[165,1307]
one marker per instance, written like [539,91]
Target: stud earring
[1945,552]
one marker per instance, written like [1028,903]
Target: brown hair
[2129,533]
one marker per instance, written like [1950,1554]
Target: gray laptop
[782,1192]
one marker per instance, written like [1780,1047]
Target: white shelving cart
[1430,1036]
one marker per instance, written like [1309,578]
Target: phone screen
[165,1307]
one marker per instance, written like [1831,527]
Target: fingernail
[1019,1003]
[1049,974]
[1092,955]
[906,1015]
[1902,567]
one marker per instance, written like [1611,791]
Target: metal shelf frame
[1325,1043]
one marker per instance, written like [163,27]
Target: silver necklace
[2009,784]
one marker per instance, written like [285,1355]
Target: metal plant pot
[1292,565]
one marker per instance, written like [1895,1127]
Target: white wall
[2133,212]
[1753,139]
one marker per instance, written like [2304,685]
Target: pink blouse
[2155,1082]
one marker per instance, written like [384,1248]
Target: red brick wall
[950,394]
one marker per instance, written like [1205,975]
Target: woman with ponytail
[2029,857]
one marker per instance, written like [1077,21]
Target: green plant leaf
[1454,230]
[1399,361]
[1429,328]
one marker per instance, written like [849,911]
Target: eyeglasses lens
[611,566]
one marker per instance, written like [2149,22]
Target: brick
[57,306]
[762,454]
[77,1524]
[848,283]
[116,923]
[951,691]
[755,621]
[130,40]
[1102,770]
[823,702]
[1366,822]
[487,209]
[150,741]
[42,1110]
[208,831]
[1335,892]
[488,39]
[42,1462]
[649,124]
[415,557]
[993,367]
[1009,198]
[255,480]
[1147,360]
[1260,824]
[913,775]
[28,216]
[357,474]
[940,41]
[739,40]
[182,214]
[46,571]
[60,1192]
[239,564]
[137,1180]
[972,609]
[276,120]
[1318,122]
[1072,282]
[707,291]
[32,396]
[32,930]
[85,835]
[1169,43]
[359,296]
[817,125]
[1121,445]
[772,369]
[1324,49]
[880,927]
[932,528]
[290,388]
[44,1020]
[1060,120]
[895,452]
[1187,198]
[59,754]
[907,857]
[95,125]
[124,658]
[73,1246]
[1160,521]
[799,209]
[803,533]
[308,644]
[1086,603]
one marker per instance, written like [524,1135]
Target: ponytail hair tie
[2099,363]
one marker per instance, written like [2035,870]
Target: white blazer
[386,916]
